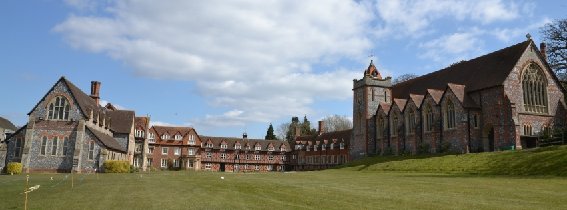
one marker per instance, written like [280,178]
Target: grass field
[373,183]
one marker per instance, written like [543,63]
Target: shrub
[14,168]
[116,166]
[134,169]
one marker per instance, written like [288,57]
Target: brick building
[173,148]
[243,154]
[320,151]
[68,129]
[501,100]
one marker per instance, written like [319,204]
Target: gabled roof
[341,136]
[385,106]
[121,120]
[435,94]
[492,68]
[231,141]
[6,124]
[417,99]
[106,140]
[85,102]
[462,96]
[171,130]
[400,103]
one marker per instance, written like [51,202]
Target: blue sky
[225,67]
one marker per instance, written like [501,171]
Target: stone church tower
[369,92]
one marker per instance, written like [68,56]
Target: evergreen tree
[270,134]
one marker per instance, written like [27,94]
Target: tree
[270,133]
[290,135]
[337,123]
[281,131]
[403,78]
[555,36]
[304,128]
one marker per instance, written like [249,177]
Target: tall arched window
[410,122]
[428,116]
[58,109]
[534,86]
[380,128]
[450,115]
[394,126]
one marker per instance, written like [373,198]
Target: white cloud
[103,102]
[453,47]
[251,57]
[413,17]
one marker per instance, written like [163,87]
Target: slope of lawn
[546,161]
[331,189]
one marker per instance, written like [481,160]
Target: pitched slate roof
[435,94]
[492,68]
[400,103]
[171,130]
[121,120]
[5,123]
[106,140]
[385,106]
[417,99]
[465,99]
[231,141]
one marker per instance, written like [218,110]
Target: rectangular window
[271,149]
[152,138]
[283,157]
[208,166]
[150,160]
[192,139]
[136,162]
[151,150]
[237,146]
[258,147]
[210,145]
[315,147]
[223,156]
[209,155]
[271,157]
[139,148]
[43,146]
[54,145]
[190,164]
[178,137]
[223,146]
[177,151]
[164,163]
[91,150]
[164,150]
[342,145]
[256,157]
[475,120]
[257,167]
[323,147]
[176,163]
[191,151]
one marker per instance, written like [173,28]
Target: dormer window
[258,147]
[152,136]
[323,147]
[165,136]
[224,146]
[271,149]
[58,109]
[237,146]
[282,149]
[209,145]
[248,146]
[342,145]
[178,137]
[192,139]
[332,146]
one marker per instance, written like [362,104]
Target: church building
[503,100]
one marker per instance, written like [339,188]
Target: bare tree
[555,37]
[281,131]
[337,123]
[403,78]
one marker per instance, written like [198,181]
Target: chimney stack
[244,135]
[321,127]
[542,48]
[297,131]
[95,91]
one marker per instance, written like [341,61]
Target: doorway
[222,167]
[491,140]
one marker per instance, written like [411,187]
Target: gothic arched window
[410,122]
[394,126]
[58,109]
[428,116]
[450,115]
[534,86]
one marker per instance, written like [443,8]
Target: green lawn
[331,189]
[529,179]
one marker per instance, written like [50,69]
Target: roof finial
[529,36]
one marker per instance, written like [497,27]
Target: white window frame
[208,166]
[223,156]
[191,140]
[178,137]
[164,150]
[176,151]
[163,163]
[257,157]
[191,151]
[224,146]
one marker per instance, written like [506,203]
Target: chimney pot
[95,91]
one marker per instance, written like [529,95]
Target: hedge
[14,168]
[116,166]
